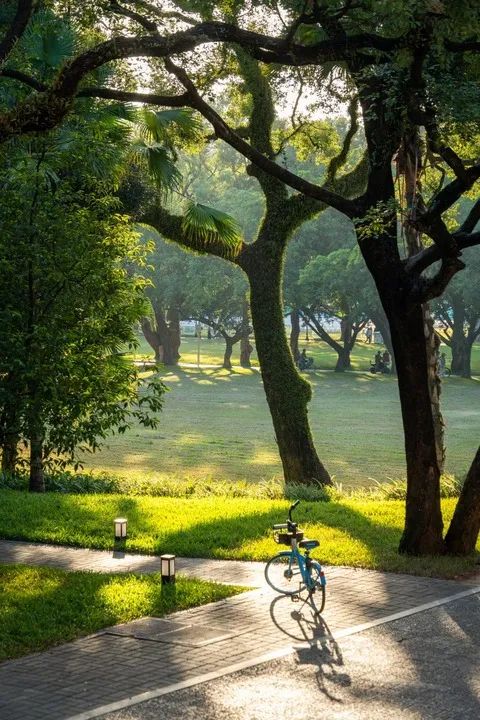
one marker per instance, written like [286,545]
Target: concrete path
[124,665]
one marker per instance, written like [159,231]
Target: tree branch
[348,207]
[146,98]
[171,227]
[16,29]
[339,160]
[426,289]
[472,219]
[432,254]
[147,24]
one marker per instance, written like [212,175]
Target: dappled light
[201,436]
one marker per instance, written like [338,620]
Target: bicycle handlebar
[292,508]
[280,526]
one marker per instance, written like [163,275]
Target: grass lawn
[216,425]
[41,607]
[356,532]
[211,353]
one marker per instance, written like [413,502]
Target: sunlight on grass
[354,532]
[224,428]
[263,457]
[41,607]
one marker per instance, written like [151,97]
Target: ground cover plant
[41,607]
[360,532]
[215,427]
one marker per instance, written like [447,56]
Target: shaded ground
[216,425]
[426,667]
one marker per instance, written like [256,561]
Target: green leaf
[165,126]
[161,164]
[206,225]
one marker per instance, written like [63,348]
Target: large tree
[68,304]
[458,314]
[335,287]
[413,65]
[216,298]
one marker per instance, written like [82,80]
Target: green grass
[352,531]
[211,353]
[41,607]
[216,427]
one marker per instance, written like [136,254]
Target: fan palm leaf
[207,226]
[161,164]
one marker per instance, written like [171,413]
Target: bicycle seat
[309,544]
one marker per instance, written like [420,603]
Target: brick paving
[146,655]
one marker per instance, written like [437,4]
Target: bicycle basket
[287,537]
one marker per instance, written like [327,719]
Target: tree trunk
[343,360]
[460,344]
[173,319]
[423,521]
[287,393]
[227,357]
[295,334]
[409,163]
[245,347]
[462,534]
[461,357]
[10,454]
[169,340]
[37,480]
[153,338]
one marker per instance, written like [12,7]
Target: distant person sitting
[381,363]
[304,362]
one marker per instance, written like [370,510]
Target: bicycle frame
[295,554]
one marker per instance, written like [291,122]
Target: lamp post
[167,564]
[120,525]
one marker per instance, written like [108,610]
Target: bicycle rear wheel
[283,574]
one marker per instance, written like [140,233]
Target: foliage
[69,297]
[205,225]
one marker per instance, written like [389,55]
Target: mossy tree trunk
[287,393]
[295,334]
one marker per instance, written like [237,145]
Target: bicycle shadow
[317,646]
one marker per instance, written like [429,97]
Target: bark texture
[288,394]
[462,534]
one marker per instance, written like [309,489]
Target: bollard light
[167,563]
[120,525]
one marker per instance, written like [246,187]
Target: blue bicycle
[291,573]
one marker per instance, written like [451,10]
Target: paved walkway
[423,667]
[122,665]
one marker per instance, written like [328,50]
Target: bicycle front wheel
[283,574]
[316,591]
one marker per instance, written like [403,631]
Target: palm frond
[49,41]
[161,164]
[207,226]
[166,126]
